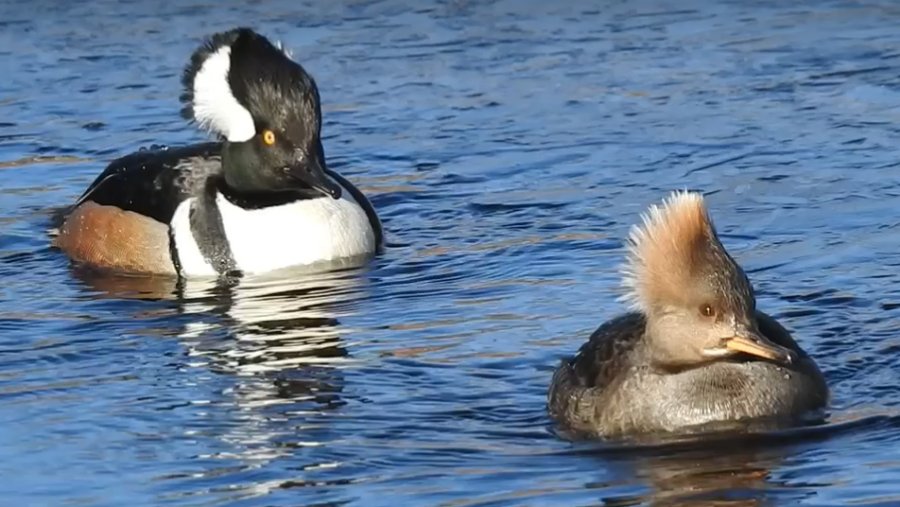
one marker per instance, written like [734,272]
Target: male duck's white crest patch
[214,106]
[663,250]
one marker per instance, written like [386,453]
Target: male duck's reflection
[270,323]
[280,339]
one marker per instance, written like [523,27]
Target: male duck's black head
[266,107]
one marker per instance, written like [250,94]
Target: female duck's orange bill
[756,345]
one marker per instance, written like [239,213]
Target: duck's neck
[255,199]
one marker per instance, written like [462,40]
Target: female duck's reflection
[737,477]
[723,471]
[280,339]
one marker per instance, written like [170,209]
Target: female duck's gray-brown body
[695,353]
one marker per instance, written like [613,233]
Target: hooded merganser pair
[261,199]
[695,353]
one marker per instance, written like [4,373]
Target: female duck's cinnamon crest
[695,350]
[666,252]
[700,301]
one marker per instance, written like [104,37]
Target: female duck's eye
[268,137]
[707,311]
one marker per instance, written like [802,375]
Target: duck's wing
[608,350]
[154,182]
[580,382]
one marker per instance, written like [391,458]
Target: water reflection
[279,340]
[722,472]
[735,476]
[271,323]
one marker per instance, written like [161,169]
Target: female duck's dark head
[698,303]
[265,106]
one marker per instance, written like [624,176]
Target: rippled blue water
[508,146]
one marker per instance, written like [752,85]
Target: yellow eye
[268,137]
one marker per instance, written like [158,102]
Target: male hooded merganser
[259,200]
[694,353]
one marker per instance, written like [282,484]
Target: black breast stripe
[173,251]
[209,232]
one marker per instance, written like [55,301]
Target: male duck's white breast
[302,232]
[276,237]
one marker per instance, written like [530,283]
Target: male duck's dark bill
[311,172]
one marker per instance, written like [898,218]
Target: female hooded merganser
[259,200]
[695,353]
